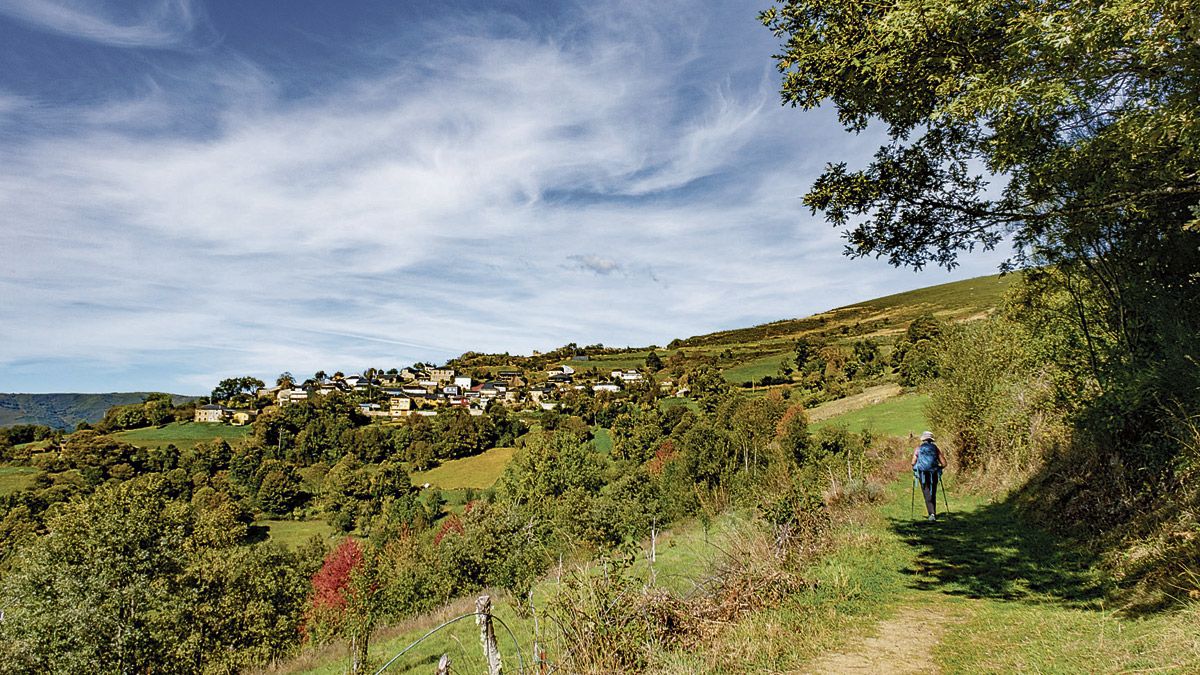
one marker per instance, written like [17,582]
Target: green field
[665,404]
[184,435]
[958,297]
[602,440]
[14,478]
[610,362]
[899,416]
[480,471]
[954,301]
[293,533]
[758,368]
[34,447]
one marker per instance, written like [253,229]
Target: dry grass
[869,396]
[610,621]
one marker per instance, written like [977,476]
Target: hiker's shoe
[932,518]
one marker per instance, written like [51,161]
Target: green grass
[899,416]
[890,314]
[1011,598]
[756,369]
[480,471]
[666,403]
[33,447]
[184,435]
[970,295]
[609,362]
[15,478]
[602,440]
[293,533]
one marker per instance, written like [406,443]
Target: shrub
[994,403]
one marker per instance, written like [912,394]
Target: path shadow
[991,553]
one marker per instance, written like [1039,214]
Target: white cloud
[408,217]
[159,24]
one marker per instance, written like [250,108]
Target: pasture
[183,435]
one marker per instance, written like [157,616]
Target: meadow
[480,471]
[183,435]
[902,416]
[14,478]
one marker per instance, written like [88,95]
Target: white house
[606,386]
[212,413]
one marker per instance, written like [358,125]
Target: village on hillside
[426,390]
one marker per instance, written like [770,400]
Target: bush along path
[979,591]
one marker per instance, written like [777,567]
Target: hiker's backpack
[927,457]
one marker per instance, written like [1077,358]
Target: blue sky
[195,190]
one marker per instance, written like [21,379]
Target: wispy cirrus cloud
[157,24]
[501,190]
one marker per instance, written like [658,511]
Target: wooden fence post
[487,634]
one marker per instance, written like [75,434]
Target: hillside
[64,411]
[954,301]
[749,354]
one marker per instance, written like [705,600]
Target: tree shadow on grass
[991,553]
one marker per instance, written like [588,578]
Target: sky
[197,190]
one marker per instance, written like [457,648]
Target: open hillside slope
[749,354]
[886,316]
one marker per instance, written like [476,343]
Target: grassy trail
[982,592]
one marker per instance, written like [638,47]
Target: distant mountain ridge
[64,411]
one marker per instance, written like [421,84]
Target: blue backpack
[927,457]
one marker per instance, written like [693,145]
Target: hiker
[927,464]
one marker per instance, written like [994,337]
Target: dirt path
[894,648]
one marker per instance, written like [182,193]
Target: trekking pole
[944,499]
[912,500]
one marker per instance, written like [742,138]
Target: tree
[131,580]
[1087,108]
[236,390]
[346,598]
[279,488]
[654,362]
[1087,111]
[550,464]
[791,432]
[867,361]
[707,385]
[805,351]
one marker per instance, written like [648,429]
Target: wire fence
[451,622]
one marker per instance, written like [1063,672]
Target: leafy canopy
[1086,112]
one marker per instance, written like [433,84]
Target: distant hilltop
[64,411]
